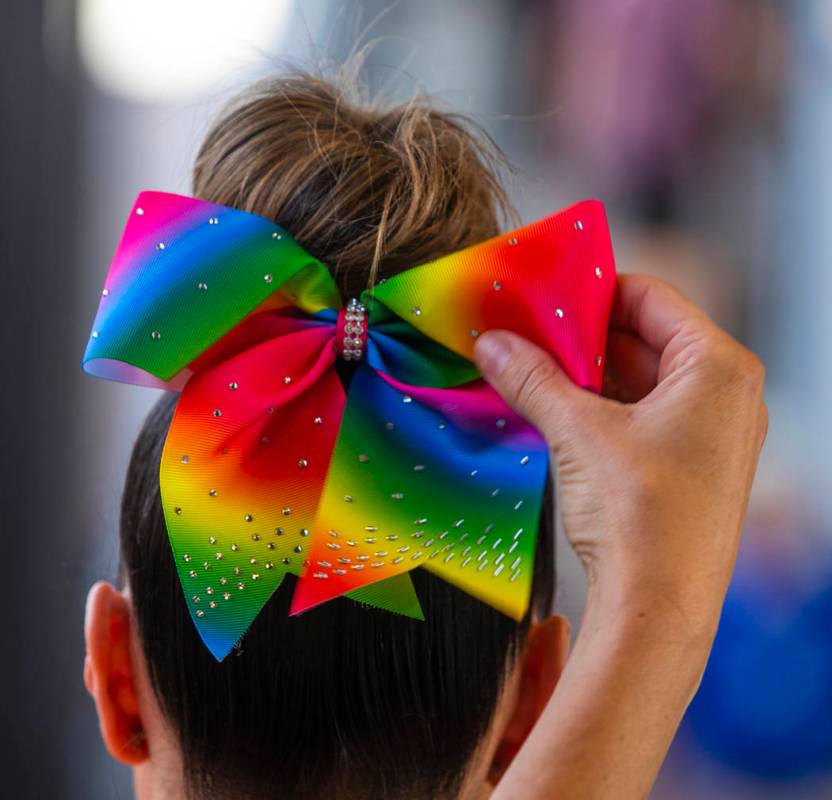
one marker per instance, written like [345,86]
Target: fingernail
[492,351]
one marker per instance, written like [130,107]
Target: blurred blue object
[764,704]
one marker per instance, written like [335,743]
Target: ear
[109,674]
[541,664]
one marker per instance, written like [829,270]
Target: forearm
[604,733]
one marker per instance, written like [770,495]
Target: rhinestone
[298,549]
[255,537]
[95,334]
[241,586]
[416,311]
[184,459]
[212,220]
[267,278]
[202,286]
[233,385]
[286,511]
[248,518]
[598,361]
[418,467]
[397,496]
[200,613]
[458,523]
[407,399]
[598,272]
[270,410]
[524,460]
[223,580]
[206,565]
[579,226]
[513,241]
[156,335]
[304,531]
[559,313]
[177,510]
[277,236]
[270,545]
[213,604]
[474,333]
[286,560]
[217,413]
[441,426]
[501,423]
[318,420]
[226,595]
[347,498]
[518,505]
[303,463]
[160,246]
[495,492]
[234,547]
[473,473]
[255,576]
[140,212]
[269,565]
[363,459]
[236,570]
[212,540]
[105,292]
[278,531]
[497,286]
[212,492]
[192,573]
[186,557]
[218,556]
[209,590]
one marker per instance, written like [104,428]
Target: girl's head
[343,701]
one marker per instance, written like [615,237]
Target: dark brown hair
[344,701]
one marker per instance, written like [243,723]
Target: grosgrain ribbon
[273,464]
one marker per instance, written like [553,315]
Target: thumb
[532,383]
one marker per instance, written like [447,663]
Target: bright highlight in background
[158,50]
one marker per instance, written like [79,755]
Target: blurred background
[704,126]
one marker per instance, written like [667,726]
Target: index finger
[653,309]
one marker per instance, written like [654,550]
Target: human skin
[654,479]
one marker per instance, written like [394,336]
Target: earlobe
[109,675]
[543,659]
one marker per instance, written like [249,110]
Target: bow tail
[242,469]
[448,479]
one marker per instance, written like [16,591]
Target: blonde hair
[366,187]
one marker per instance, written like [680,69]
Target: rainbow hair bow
[271,466]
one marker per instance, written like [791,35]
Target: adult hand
[655,474]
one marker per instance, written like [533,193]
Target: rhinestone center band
[351,336]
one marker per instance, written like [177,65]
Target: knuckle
[532,390]
[764,420]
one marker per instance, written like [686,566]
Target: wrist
[650,618]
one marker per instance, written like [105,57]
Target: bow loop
[551,282]
[184,274]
